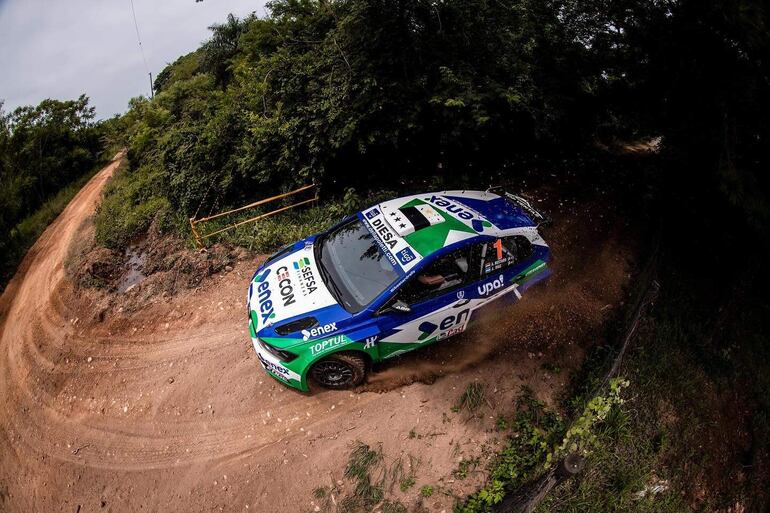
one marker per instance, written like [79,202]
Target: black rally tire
[338,371]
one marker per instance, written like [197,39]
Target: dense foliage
[363,92]
[43,149]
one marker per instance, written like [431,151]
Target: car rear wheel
[340,370]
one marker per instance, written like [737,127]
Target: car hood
[288,298]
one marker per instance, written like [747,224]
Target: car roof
[412,228]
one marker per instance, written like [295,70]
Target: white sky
[64,48]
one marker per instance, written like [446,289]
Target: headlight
[282,355]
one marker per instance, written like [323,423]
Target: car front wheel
[340,370]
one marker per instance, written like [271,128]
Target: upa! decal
[487,288]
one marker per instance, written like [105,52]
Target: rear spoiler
[520,201]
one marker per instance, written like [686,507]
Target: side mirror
[400,306]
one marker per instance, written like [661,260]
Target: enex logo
[447,323]
[266,310]
[261,277]
[321,330]
[460,211]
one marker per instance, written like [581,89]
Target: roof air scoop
[408,220]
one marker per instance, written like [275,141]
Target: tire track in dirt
[167,408]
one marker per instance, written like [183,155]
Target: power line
[141,48]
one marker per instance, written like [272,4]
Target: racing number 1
[499,245]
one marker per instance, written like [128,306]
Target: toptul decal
[284,286]
[460,211]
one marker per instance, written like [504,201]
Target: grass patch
[465,467]
[406,483]
[389,506]
[472,398]
[426,491]
[373,480]
[404,477]
[365,468]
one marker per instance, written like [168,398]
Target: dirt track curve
[167,410]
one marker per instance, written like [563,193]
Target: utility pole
[152,90]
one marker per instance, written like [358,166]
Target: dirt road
[167,409]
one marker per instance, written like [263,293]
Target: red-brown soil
[165,408]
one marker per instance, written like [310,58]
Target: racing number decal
[499,246]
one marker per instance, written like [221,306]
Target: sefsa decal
[307,283]
[323,345]
[487,288]
[320,330]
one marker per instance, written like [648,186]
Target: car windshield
[355,265]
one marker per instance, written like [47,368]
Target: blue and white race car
[397,276]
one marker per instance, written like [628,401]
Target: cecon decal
[284,286]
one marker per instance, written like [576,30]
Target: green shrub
[131,202]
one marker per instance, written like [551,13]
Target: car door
[499,264]
[435,311]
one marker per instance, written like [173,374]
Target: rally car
[397,276]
